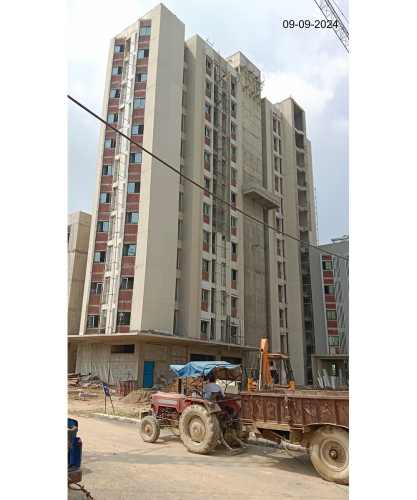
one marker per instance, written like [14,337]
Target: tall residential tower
[169,258]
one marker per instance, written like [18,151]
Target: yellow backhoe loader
[270,371]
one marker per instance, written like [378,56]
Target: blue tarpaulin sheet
[195,369]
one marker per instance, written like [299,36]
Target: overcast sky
[311,65]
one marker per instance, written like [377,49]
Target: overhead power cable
[202,187]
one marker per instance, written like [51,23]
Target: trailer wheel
[329,452]
[199,430]
[149,429]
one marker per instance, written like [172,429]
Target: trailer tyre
[149,429]
[199,430]
[329,452]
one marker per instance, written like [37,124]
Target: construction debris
[138,397]
[73,378]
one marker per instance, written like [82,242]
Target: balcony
[302,185]
[303,205]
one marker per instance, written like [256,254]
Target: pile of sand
[138,397]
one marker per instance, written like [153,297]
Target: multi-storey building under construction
[174,273]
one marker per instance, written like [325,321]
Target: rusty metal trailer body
[318,420]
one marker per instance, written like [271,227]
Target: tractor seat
[217,396]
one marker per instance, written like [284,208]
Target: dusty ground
[118,465]
[86,406]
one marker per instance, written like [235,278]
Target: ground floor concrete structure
[146,357]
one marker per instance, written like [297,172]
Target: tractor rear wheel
[329,452]
[199,430]
[149,429]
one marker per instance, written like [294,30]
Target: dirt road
[118,465]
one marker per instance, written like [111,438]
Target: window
[132,217]
[233,173]
[123,349]
[204,295]
[137,129]
[114,93]
[233,222]
[103,227]
[329,289]
[233,149]
[233,106]
[233,127]
[133,187]
[139,103]
[69,235]
[206,209]
[204,327]
[108,170]
[126,283]
[278,244]
[277,221]
[178,258]
[123,318]
[207,132]
[275,160]
[208,109]
[100,256]
[119,48]
[180,229]
[279,128]
[135,158]
[105,197]
[327,265]
[331,314]
[233,198]
[182,123]
[129,250]
[145,30]
[234,274]
[279,289]
[234,248]
[143,53]
[141,77]
[279,147]
[276,184]
[207,183]
[207,157]
[208,64]
[116,70]
[206,237]
[274,122]
[208,86]
[180,202]
[333,340]
[233,86]
[183,99]
[96,288]
[110,143]
[93,321]
[233,332]
[177,289]
[113,118]
[184,76]
[205,265]
[234,302]
[182,179]
[279,266]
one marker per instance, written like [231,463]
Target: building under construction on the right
[330,290]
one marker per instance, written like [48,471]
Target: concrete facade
[79,225]
[169,257]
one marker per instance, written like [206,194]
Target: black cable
[198,185]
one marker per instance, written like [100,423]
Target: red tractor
[200,423]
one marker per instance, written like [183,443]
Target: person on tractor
[212,387]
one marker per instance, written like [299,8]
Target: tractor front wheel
[199,430]
[149,429]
